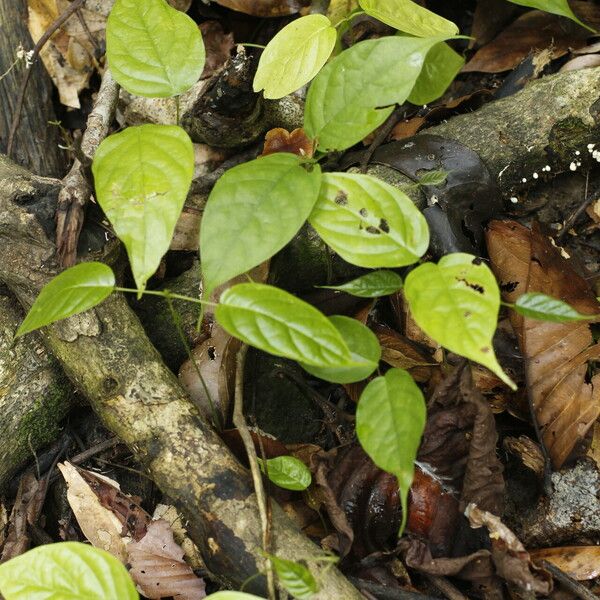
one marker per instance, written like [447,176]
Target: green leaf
[409,17]
[232,596]
[277,322]
[442,65]
[372,285]
[253,211]
[142,178]
[435,177]
[456,303]
[368,222]
[295,577]
[390,419]
[556,7]
[365,351]
[153,49]
[343,102]
[66,570]
[287,472]
[536,305]
[77,289]
[294,56]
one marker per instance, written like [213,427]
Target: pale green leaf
[372,285]
[556,7]
[390,419]
[295,577]
[456,303]
[66,571]
[142,178]
[153,49]
[368,222]
[294,56]
[277,322]
[409,17]
[442,65]
[343,102]
[364,348]
[287,472]
[77,289]
[536,305]
[253,211]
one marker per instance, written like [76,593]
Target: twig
[74,6]
[591,197]
[573,586]
[96,449]
[240,422]
[76,189]
[444,586]
[380,137]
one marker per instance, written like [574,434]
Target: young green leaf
[153,49]
[294,577]
[456,303]
[556,7]
[66,570]
[442,65]
[232,596]
[364,349]
[536,305]
[409,17]
[294,56]
[390,419]
[343,102]
[368,222]
[277,322]
[142,178]
[372,285]
[77,289]
[435,177]
[253,211]
[287,472]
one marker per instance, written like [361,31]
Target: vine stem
[164,294]
[240,422]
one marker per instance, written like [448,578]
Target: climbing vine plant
[142,176]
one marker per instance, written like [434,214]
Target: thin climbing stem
[164,294]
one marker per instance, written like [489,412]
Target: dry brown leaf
[281,140]
[579,562]
[218,46]
[264,8]
[158,568]
[556,354]
[585,61]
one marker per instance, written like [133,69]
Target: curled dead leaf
[281,140]
[579,562]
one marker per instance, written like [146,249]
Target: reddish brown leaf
[579,562]
[281,140]
[556,354]
[158,568]
[264,8]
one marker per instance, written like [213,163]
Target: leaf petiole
[164,294]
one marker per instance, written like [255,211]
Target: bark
[36,142]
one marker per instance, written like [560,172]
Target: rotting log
[107,355]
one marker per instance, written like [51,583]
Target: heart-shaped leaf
[295,577]
[390,419]
[277,322]
[343,102]
[287,472]
[456,302]
[153,49]
[294,56]
[253,211]
[66,570]
[409,17]
[372,285]
[142,178]
[556,7]
[77,289]
[442,65]
[368,222]
[542,307]
[364,349]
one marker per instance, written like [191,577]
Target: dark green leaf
[556,7]
[66,571]
[294,577]
[536,305]
[253,211]
[364,349]
[73,291]
[287,472]
[390,419]
[153,50]
[372,285]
